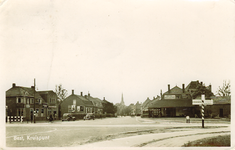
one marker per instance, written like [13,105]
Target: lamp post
[34,112]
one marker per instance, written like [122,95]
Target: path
[163,139]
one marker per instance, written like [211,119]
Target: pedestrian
[50,118]
[31,116]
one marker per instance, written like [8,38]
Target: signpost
[202,103]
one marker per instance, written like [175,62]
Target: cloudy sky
[108,47]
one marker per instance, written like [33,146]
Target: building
[221,107]
[138,109]
[77,104]
[51,99]
[145,106]
[108,108]
[174,102]
[20,102]
[97,104]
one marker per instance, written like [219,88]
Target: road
[86,133]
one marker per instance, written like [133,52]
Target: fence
[15,119]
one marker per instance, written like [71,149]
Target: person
[187,119]
[50,118]
[31,116]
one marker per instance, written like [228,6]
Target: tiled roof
[222,100]
[176,90]
[22,91]
[172,103]
[192,85]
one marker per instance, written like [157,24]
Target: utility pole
[34,112]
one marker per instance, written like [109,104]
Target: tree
[61,93]
[225,89]
[201,89]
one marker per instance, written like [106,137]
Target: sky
[107,47]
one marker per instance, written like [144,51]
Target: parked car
[89,116]
[68,117]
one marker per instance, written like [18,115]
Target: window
[20,112]
[39,101]
[31,100]
[27,100]
[81,108]
[74,102]
[42,111]
[18,100]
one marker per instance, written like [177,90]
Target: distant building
[109,108]
[137,109]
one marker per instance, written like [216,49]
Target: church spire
[122,101]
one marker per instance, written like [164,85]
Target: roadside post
[202,102]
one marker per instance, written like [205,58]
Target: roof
[222,100]
[81,98]
[176,90]
[171,103]
[95,101]
[192,85]
[22,91]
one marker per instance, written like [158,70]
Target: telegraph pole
[34,112]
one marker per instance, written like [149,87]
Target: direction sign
[199,102]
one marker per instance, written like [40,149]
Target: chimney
[81,93]
[161,93]
[183,87]
[201,83]
[104,98]
[169,88]
[153,97]
[210,87]
[85,96]
[72,92]
[32,87]
[13,85]
[88,94]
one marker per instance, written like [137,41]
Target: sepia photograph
[120,74]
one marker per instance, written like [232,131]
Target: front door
[221,113]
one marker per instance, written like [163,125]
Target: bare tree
[61,92]
[225,89]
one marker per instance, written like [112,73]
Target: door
[221,113]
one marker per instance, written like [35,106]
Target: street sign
[199,102]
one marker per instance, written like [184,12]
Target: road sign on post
[202,102]
[203,99]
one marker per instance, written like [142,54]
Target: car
[68,117]
[89,116]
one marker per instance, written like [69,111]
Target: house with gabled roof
[20,102]
[97,104]
[174,102]
[51,99]
[77,104]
